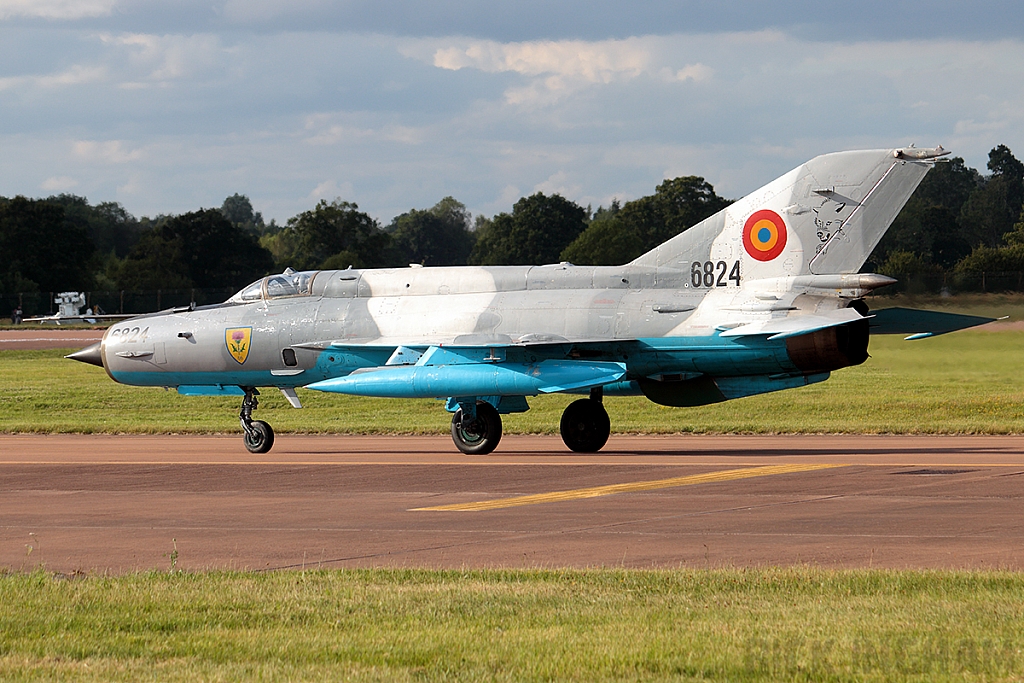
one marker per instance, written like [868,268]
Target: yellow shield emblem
[237,340]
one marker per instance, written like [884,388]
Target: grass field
[398,625]
[966,382]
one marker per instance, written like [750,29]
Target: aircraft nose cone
[90,354]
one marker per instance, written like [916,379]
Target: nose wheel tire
[477,436]
[585,426]
[257,434]
[260,438]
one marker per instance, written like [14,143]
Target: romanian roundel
[764,235]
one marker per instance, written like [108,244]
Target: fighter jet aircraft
[763,296]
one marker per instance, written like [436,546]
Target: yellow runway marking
[612,489]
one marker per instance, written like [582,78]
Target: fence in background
[956,283]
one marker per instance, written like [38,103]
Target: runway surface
[50,337]
[124,503]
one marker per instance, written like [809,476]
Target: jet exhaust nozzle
[90,354]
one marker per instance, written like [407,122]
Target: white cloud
[334,134]
[557,69]
[407,135]
[594,62]
[326,129]
[509,195]
[691,72]
[56,9]
[330,190]
[558,183]
[58,184]
[157,60]
[131,188]
[106,152]
[11,82]
[603,61]
[972,127]
[76,75]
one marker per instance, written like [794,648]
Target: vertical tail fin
[823,217]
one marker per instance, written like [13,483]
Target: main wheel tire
[260,439]
[479,436]
[585,426]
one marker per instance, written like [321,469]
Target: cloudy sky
[171,105]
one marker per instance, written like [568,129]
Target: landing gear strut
[259,437]
[585,425]
[479,433]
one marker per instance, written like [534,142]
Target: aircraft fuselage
[656,323]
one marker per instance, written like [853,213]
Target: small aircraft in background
[764,295]
[69,309]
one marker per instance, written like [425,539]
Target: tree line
[958,220]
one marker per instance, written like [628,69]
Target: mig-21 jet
[764,295]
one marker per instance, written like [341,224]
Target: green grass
[371,625]
[966,382]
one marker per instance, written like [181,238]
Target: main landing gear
[259,437]
[476,427]
[585,425]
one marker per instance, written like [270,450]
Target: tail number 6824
[713,274]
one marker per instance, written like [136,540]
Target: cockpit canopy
[288,283]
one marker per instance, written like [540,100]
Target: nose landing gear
[259,436]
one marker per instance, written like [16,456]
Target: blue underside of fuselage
[239,378]
[711,355]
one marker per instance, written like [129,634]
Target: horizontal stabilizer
[474,379]
[920,324]
[795,325]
